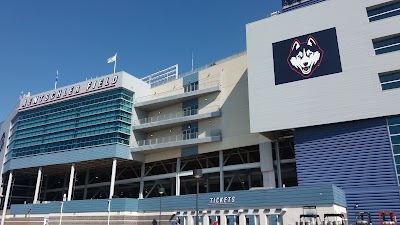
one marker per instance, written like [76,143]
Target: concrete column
[206,220]
[113,173]
[71,182]
[223,220]
[10,177]
[267,165]
[278,164]
[221,171]
[141,188]
[177,177]
[190,220]
[86,184]
[264,219]
[38,182]
[242,219]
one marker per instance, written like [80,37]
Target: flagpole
[115,62]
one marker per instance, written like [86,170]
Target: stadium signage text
[70,91]
[222,200]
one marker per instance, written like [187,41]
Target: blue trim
[71,156]
[264,198]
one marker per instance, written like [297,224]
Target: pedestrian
[173,222]
[215,222]
[154,222]
[178,221]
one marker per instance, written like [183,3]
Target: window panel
[90,120]
[387,44]
[384,11]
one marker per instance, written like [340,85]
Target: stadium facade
[305,117]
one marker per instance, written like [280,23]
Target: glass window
[91,121]
[383,11]
[394,130]
[387,44]
[390,80]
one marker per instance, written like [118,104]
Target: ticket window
[256,220]
[273,220]
[182,220]
[250,220]
[232,220]
[213,220]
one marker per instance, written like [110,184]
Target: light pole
[197,174]
[161,191]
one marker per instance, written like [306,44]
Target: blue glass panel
[395,139]
[87,121]
[396,149]
[393,120]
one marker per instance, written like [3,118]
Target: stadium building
[303,122]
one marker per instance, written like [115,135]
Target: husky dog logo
[305,57]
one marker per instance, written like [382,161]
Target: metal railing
[176,91]
[162,76]
[179,137]
[183,113]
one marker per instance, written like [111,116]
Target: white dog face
[305,57]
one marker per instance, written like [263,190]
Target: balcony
[181,140]
[163,99]
[166,121]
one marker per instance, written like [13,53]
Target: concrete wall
[351,95]
[232,100]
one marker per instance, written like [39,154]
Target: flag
[112,58]
[55,83]
[21,95]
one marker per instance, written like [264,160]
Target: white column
[242,219]
[263,219]
[10,177]
[221,171]
[86,184]
[141,188]
[223,220]
[190,220]
[177,177]
[71,182]
[267,165]
[206,220]
[38,182]
[113,172]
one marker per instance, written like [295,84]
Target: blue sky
[38,38]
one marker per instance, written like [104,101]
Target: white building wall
[351,95]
